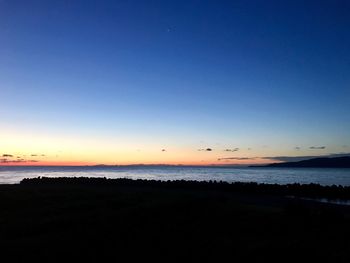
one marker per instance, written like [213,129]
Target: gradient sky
[116,82]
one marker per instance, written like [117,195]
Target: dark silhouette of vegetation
[123,220]
[296,189]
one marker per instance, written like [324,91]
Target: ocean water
[13,175]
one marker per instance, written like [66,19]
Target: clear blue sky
[180,75]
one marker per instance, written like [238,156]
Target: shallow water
[11,175]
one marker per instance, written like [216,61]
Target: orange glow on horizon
[28,149]
[88,163]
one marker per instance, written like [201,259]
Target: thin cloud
[35,155]
[286,158]
[231,150]
[5,160]
[236,158]
[205,150]
[317,147]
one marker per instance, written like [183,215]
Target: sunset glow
[124,83]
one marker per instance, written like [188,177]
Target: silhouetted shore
[335,162]
[112,219]
[296,190]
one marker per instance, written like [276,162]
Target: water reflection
[11,175]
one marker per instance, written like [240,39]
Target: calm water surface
[12,175]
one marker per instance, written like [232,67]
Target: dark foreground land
[120,220]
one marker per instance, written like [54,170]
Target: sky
[173,82]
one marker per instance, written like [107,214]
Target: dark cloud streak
[5,160]
[205,150]
[231,150]
[317,147]
[236,158]
[286,158]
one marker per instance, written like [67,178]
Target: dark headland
[335,162]
[105,220]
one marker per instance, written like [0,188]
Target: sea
[323,176]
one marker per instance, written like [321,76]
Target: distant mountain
[336,162]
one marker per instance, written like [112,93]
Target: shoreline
[297,190]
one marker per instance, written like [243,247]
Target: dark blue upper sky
[246,73]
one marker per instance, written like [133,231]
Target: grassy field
[102,222]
